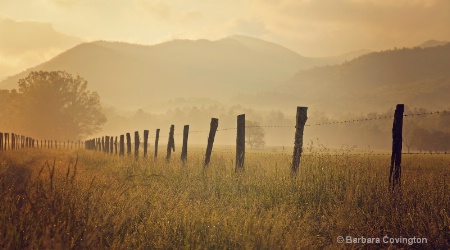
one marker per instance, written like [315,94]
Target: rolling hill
[131,75]
[418,77]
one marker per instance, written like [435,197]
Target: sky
[33,31]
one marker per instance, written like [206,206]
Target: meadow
[83,199]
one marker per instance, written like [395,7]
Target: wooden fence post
[1,141]
[13,141]
[136,144]
[170,143]
[122,145]
[106,148]
[395,172]
[6,141]
[185,141]
[156,143]
[145,142]
[111,145]
[212,133]
[115,145]
[240,143]
[128,144]
[298,143]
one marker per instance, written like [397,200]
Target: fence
[116,144]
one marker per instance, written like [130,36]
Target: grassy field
[79,199]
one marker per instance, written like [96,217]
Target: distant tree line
[51,105]
[430,141]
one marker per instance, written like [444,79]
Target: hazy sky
[309,27]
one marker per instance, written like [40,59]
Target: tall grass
[79,199]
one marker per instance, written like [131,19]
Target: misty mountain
[418,77]
[137,75]
[24,44]
[432,43]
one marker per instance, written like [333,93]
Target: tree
[8,109]
[58,105]
[254,135]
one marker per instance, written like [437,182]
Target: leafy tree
[8,110]
[58,105]
[254,134]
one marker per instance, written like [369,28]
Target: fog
[155,63]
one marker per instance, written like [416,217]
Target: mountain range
[256,73]
[417,77]
[131,75]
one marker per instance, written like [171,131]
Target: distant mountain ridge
[432,43]
[133,75]
[256,73]
[418,77]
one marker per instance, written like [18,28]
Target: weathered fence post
[13,141]
[1,141]
[128,143]
[185,141]
[106,148]
[170,143]
[111,145]
[145,142]
[136,144]
[298,143]
[115,145]
[156,143]
[212,133]
[395,172]
[122,145]
[240,143]
[7,141]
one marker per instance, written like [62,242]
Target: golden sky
[32,31]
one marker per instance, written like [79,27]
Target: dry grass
[54,199]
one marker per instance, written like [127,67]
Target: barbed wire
[316,124]
[332,154]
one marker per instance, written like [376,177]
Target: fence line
[107,144]
[324,123]
[11,141]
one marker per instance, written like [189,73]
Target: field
[80,199]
